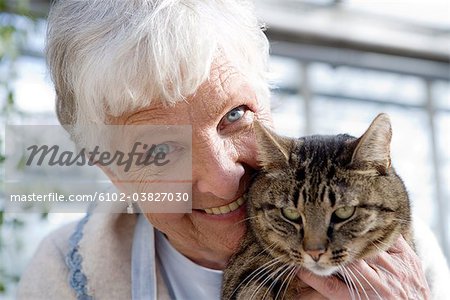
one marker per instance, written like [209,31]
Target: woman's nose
[216,170]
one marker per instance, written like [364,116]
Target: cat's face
[328,203]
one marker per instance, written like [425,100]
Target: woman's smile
[225,209]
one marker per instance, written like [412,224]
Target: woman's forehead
[224,90]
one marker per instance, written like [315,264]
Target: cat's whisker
[357,281]
[266,250]
[367,281]
[346,281]
[386,271]
[352,283]
[352,254]
[279,275]
[244,220]
[290,277]
[270,275]
[382,243]
[265,268]
[287,280]
[274,280]
[376,246]
[266,271]
[286,270]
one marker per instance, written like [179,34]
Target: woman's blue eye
[160,150]
[235,114]
[163,148]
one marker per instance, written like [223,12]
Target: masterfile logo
[150,166]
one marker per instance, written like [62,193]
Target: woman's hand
[395,274]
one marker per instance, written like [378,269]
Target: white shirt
[184,278]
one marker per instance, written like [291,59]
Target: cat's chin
[322,271]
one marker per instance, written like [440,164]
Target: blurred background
[336,65]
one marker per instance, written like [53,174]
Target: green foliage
[20,7]
[12,39]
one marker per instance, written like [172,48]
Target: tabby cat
[319,203]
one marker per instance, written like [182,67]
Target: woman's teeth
[226,208]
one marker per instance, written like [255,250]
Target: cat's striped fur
[311,178]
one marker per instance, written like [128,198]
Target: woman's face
[221,113]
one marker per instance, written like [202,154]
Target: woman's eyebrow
[235,98]
[148,114]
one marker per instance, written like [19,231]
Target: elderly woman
[198,63]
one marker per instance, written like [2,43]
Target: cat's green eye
[344,213]
[291,214]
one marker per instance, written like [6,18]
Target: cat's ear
[273,150]
[372,152]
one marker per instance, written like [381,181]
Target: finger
[329,287]
[384,264]
[400,260]
[367,279]
[310,294]
[400,246]
[408,255]
[402,269]
[404,276]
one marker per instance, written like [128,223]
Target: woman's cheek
[246,148]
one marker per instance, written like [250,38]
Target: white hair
[109,57]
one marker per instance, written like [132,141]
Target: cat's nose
[316,253]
